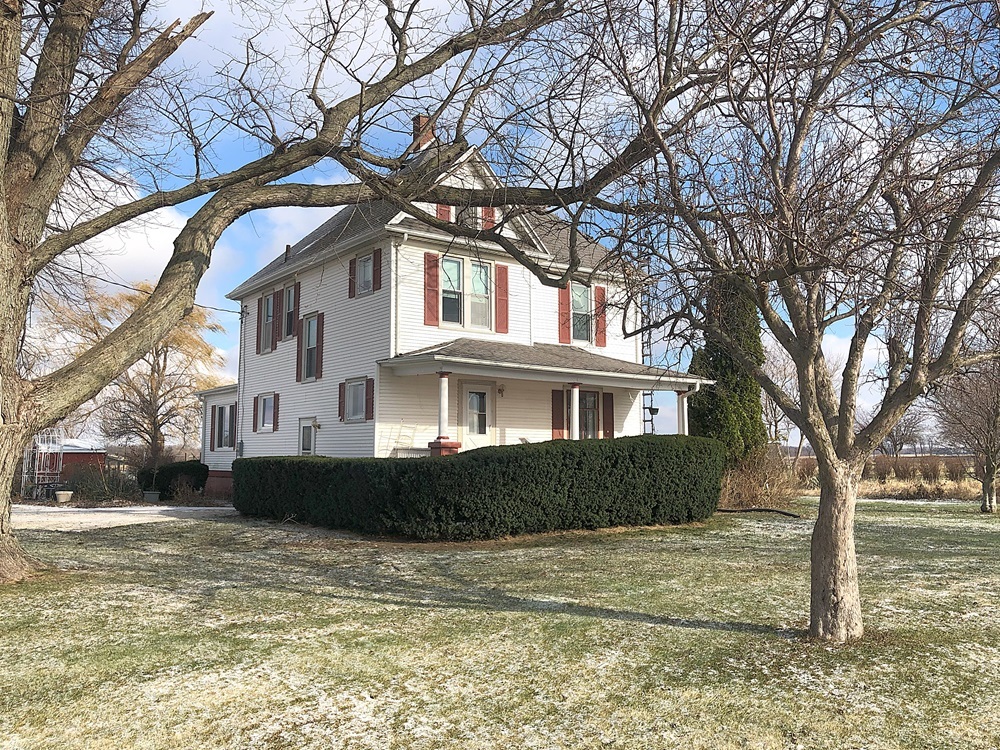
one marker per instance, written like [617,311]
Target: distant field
[240,634]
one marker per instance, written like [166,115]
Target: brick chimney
[423,131]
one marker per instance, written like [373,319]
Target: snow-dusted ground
[244,634]
[51,518]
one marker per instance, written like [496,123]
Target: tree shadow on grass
[360,573]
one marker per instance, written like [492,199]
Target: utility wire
[135,289]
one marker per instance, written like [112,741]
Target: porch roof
[547,362]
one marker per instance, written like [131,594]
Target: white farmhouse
[377,335]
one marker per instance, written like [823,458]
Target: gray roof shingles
[555,356]
[371,217]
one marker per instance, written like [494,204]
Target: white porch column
[574,411]
[443,405]
[682,412]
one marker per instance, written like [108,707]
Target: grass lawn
[243,634]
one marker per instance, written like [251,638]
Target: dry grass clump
[763,479]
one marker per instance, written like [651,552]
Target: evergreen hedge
[492,492]
[163,477]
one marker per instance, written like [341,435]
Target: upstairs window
[267,323]
[479,298]
[310,347]
[366,278]
[582,312]
[289,322]
[452,302]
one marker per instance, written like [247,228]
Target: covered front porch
[468,394]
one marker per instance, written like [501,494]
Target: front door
[477,420]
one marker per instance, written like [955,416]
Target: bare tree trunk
[989,504]
[835,602]
[15,563]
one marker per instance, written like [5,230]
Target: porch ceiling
[554,363]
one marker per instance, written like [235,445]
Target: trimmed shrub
[956,468]
[492,492]
[882,467]
[931,468]
[905,467]
[166,478]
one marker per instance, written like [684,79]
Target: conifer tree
[730,411]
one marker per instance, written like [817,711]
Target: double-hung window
[267,324]
[289,322]
[310,346]
[307,436]
[582,312]
[365,274]
[479,298]
[266,413]
[452,299]
[225,426]
[355,398]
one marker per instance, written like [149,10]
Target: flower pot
[64,496]
[151,496]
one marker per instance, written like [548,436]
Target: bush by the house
[164,479]
[492,492]
[100,485]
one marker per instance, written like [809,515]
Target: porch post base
[444,447]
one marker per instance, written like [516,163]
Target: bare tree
[97,130]
[968,417]
[846,175]
[837,160]
[154,399]
[781,370]
[909,430]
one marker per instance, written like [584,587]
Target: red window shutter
[277,398]
[443,212]
[299,345]
[565,319]
[377,269]
[275,323]
[298,289]
[558,415]
[341,400]
[369,399]
[352,278]
[319,346]
[502,299]
[431,302]
[260,320]
[600,316]
[256,405]
[232,423]
[608,417]
[211,430]
[489,217]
